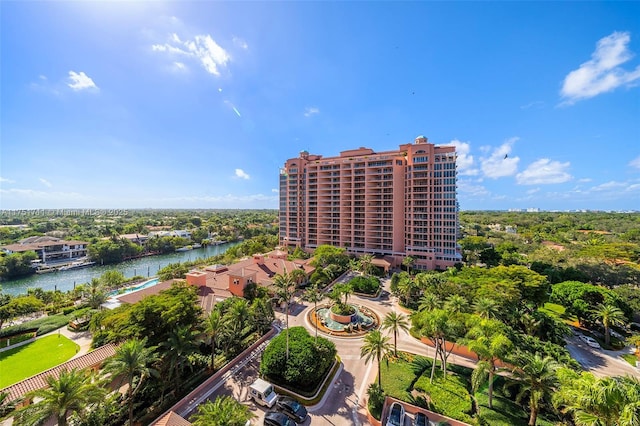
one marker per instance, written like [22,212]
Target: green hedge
[366,285]
[44,324]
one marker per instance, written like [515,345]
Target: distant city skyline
[127,105]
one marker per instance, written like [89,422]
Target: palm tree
[214,325]
[285,285]
[394,322]
[609,315]
[429,302]
[608,401]
[223,411]
[314,295]
[537,378]
[132,360]
[179,344]
[456,303]
[239,313]
[366,262]
[408,263]
[262,314]
[71,392]
[488,342]
[486,308]
[376,347]
[96,294]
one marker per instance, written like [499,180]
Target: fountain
[361,320]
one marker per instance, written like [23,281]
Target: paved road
[600,362]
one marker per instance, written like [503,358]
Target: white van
[263,393]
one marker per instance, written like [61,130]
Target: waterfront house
[50,249]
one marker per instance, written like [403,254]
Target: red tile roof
[39,381]
[171,419]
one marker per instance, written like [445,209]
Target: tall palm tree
[609,315]
[285,286]
[376,347]
[239,313]
[96,295]
[223,411]
[179,344]
[214,326]
[456,303]
[489,343]
[366,262]
[537,378]
[486,308]
[408,263]
[132,359]
[394,322]
[71,392]
[314,295]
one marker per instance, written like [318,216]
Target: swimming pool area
[113,301]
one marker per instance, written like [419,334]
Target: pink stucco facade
[393,203]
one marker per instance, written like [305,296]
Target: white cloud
[242,174]
[5,180]
[309,111]
[470,188]
[81,81]
[464,160]
[179,66]
[544,171]
[203,49]
[275,190]
[532,191]
[498,163]
[240,43]
[45,182]
[602,73]
[584,180]
[534,104]
[635,163]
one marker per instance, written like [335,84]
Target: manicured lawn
[630,358]
[407,378]
[19,363]
[559,312]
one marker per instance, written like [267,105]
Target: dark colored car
[420,420]
[292,408]
[276,418]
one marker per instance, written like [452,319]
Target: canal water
[145,266]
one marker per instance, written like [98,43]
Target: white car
[590,341]
[396,415]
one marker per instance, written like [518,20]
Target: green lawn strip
[630,358]
[505,412]
[558,312]
[25,361]
[449,397]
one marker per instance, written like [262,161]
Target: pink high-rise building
[392,204]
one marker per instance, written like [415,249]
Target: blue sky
[198,104]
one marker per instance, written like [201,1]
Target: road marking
[356,404]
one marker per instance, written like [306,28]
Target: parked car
[396,415]
[292,408]
[420,420]
[276,418]
[591,342]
